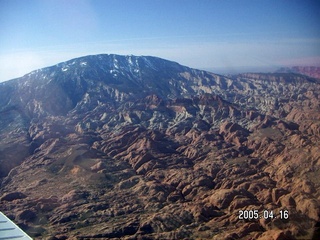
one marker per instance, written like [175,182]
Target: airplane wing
[9,230]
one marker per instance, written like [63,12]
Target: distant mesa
[311,71]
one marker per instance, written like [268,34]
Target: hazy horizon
[224,35]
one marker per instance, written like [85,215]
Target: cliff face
[112,146]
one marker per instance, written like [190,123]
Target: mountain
[129,147]
[311,71]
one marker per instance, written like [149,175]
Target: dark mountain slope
[111,146]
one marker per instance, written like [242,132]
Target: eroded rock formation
[132,147]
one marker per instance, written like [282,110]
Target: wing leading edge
[9,230]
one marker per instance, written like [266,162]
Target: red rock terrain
[109,147]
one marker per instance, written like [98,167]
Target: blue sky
[221,35]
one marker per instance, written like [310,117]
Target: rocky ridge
[130,147]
